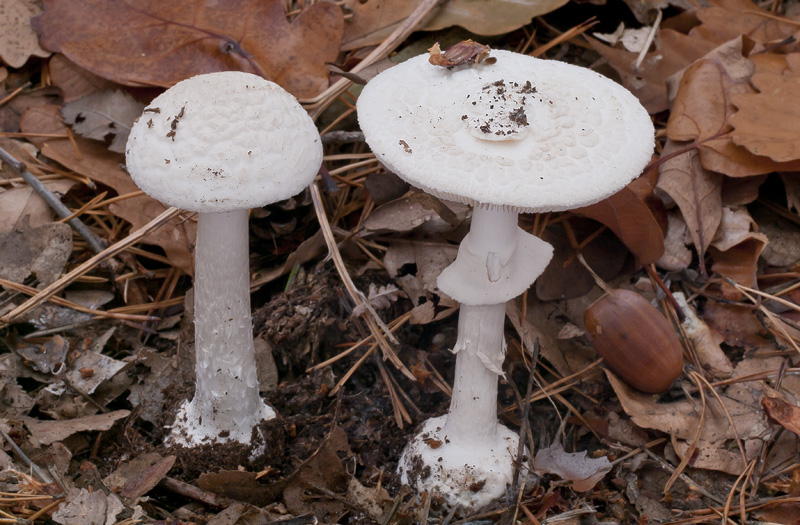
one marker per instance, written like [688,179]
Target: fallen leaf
[18,40]
[676,255]
[697,192]
[648,81]
[47,432]
[42,251]
[42,120]
[135,478]
[738,325]
[18,203]
[379,298]
[682,418]
[766,122]
[708,351]
[778,409]
[633,222]
[702,103]
[102,366]
[736,250]
[151,43]
[712,455]
[74,81]
[104,114]
[724,20]
[584,472]
[88,508]
[237,485]
[373,21]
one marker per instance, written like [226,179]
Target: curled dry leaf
[697,192]
[18,40]
[727,19]
[767,123]
[736,250]
[152,43]
[705,346]
[379,298]
[104,114]
[676,255]
[633,221]
[47,432]
[584,472]
[778,409]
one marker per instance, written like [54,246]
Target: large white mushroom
[220,144]
[509,135]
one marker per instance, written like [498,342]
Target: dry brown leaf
[648,82]
[633,221]
[153,43]
[18,203]
[702,103]
[682,418]
[735,249]
[676,255]
[101,165]
[18,40]
[767,123]
[708,351]
[718,456]
[73,81]
[723,156]
[738,325]
[83,507]
[44,120]
[47,432]
[778,409]
[697,192]
[584,472]
[43,251]
[102,115]
[728,19]
[133,479]
[373,21]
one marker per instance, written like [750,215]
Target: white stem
[481,349]
[226,403]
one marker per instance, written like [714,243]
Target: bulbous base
[468,474]
[199,426]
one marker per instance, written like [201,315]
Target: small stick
[54,202]
[195,493]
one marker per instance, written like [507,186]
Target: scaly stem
[226,403]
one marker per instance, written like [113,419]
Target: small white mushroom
[220,144]
[517,135]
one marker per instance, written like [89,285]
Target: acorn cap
[223,141]
[521,133]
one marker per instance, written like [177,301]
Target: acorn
[635,340]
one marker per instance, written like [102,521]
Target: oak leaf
[18,41]
[768,122]
[154,43]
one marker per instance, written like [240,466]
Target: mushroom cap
[223,141]
[522,133]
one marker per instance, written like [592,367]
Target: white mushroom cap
[223,141]
[523,133]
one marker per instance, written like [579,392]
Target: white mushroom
[517,135]
[220,144]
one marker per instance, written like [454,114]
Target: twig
[374,322]
[525,425]
[109,252]
[321,101]
[54,202]
[195,493]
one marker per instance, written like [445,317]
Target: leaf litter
[709,234]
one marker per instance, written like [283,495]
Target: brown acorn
[635,340]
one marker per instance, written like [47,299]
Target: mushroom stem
[226,404]
[480,346]
[480,351]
